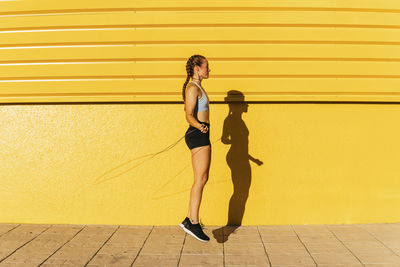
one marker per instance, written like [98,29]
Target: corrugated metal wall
[136,50]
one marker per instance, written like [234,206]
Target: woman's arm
[256,161]
[191,95]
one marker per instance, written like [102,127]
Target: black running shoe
[186,223]
[194,230]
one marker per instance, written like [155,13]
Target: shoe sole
[190,233]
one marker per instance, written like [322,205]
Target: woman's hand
[203,128]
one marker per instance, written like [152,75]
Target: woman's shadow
[236,134]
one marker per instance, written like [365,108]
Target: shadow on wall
[236,134]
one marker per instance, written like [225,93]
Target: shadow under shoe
[222,234]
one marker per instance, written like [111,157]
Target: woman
[197,139]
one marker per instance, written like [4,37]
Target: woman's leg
[201,159]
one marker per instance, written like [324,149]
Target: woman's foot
[186,222]
[194,230]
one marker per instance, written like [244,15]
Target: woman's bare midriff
[203,116]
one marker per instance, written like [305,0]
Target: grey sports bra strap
[202,91]
[196,84]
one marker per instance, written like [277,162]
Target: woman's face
[203,71]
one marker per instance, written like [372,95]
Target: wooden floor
[373,245]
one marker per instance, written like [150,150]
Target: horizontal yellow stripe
[18,7]
[213,85]
[79,78]
[223,69]
[145,19]
[159,60]
[214,52]
[108,98]
[199,43]
[211,93]
[216,35]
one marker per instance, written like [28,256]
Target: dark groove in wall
[192,8]
[130,77]
[212,102]
[247,25]
[210,93]
[214,59]
[197,42]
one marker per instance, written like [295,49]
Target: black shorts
[195,138]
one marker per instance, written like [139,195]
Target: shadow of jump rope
[126,167]
[174,177]
[109,176]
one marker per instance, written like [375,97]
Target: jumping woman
[197,139]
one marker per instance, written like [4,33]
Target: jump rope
[149,156]
[103,178]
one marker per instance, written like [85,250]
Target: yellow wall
[90,91]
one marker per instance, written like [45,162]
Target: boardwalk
[372,245]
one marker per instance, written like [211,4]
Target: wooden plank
[32,53]
[247,69]
[39,5]
[202,19]
[67,69]
[213,52]
[201,35]
[212,85]
[132,98]
[243,69]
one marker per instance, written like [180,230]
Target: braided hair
[195,60]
